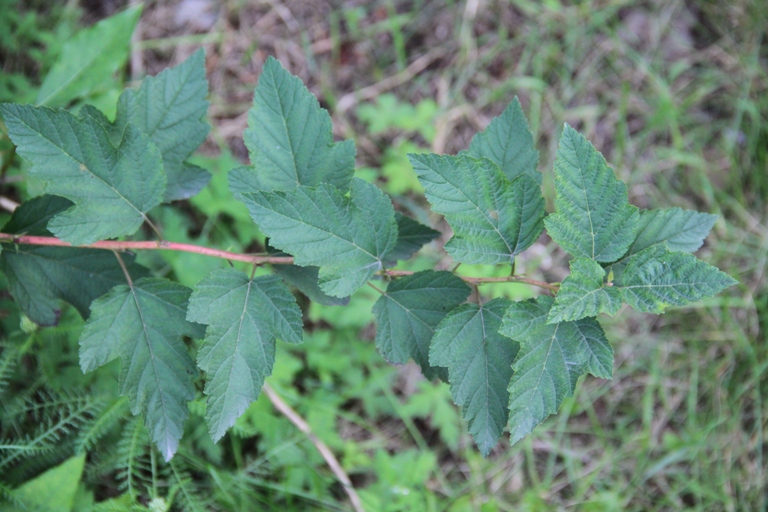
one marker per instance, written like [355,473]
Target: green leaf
[409,311]
[290,139]
[680,230]
[347,237]
[244,317]
[52,491]
[89,59]
[593,219]
[656,278]
[112,187]
[492,218]
[39,276]
[411,236]
[144,324]
[551,359]
[479,362]
[508,143]
[170,109]
[583,293]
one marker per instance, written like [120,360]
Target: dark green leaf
[144,324]
[347,237]
[479,362]
[583,293]
[306,280]
[551,359]
[112,187]
[593,219]
[492,218]
[290,139]
[411,236]
[39,276]
[244,317]
[408,312]
[509,144]
[170,108]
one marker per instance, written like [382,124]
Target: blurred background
[675,96]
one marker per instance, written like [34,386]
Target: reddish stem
[253,259]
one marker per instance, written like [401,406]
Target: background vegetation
[675,95]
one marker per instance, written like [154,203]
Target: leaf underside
[594,219]
[551,359]
[244,317]
[38,277]
[347,237]
[170,109]
[144,324]
[492,218]
[111,187]
[410,310]
[479,362]
[508,143]
[290,139]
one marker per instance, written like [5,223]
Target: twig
[254,259]
[150,245]
[326,452]
[8,205]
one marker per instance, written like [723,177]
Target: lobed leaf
[492,218]
[290,139]
[89,59]
[111,187]
[244,318]
[347,237]
[594,219]
[38,276]
[583,293]
[410,310]
[170,109]
[508,143]
[479,362]
[143,323]
[551,359]
[656,278]
[680,230]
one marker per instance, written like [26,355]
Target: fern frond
[184,489]
[134,467]
[106,418]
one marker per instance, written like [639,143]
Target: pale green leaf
[656,278]
[411,236]
[52,491]
[348,237]
[112,187]
[289,138]
[492,218]
[551,359]
[584,293]
[408,312]
[508,143]
[38,276]
[89,59]
[170,108]
[593,219]
[244,318]
[479,362]
[144,324]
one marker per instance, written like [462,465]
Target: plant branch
[326,452]
[254,259]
